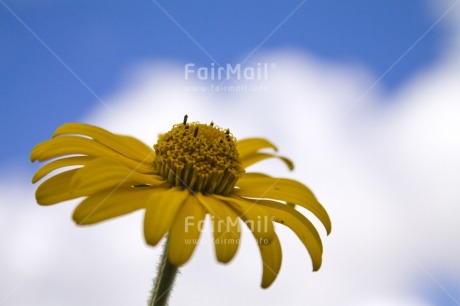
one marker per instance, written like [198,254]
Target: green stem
[164,281]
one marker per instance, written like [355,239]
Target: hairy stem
[164,281]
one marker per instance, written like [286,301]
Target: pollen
[200,157]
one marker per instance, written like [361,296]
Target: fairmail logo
[257,72]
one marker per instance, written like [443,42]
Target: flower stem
[164,281]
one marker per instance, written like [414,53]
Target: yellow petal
[103,173]
[226,227]
[285,190]
[57,189]
[70,145]
[185,231]
[63,162]
[253,175]
[271,259]
[300,225]
[251,159]
[256,217]
[252,145]
[109,204]
[126,145]
[143,149]
[160,212]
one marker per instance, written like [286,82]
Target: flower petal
[107,204]
[185,231]
[226,227]
[257,157]
[60,163]
[250,146]
[126,145]
[160,212]
[103,173]
[285,190]
[300,225]
[256,217]
[253,175]
[57,189]
[70,145]
[271,259]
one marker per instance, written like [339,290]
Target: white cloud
[386,170]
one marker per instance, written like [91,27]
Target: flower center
[198,156]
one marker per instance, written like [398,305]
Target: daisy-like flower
[193,170]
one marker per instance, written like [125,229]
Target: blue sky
[100,43]
[61,61]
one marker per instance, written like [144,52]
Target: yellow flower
[193,170]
